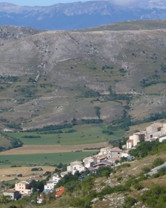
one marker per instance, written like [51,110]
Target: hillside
[71,16]
[130,25]
[56,76]
[128,184]
[10,33]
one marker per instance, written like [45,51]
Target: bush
[146,170]
[129,202]
[103,171]
[163,67]
[138,186]
[91,93]
[36,169]
[157,162]
[162,171]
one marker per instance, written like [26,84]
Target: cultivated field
[38,149]
[7,174]
[77,135]
[51,159]
[51,147]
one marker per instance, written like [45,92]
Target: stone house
[155,130]
[114,153]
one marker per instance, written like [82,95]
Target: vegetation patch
[43,159]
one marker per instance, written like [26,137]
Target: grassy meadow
[42,159]
[77,135]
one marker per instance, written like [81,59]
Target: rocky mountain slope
[10,33]
[55,77]
[80,14]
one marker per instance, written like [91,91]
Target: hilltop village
[107,157]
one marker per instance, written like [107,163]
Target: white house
[88,162]
[49,186]
[62,174]
[75,166]
[135,139]
[52,183]
[129,144]
[125,154]
[56,178]
[104,151]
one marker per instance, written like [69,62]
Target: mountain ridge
[78,15]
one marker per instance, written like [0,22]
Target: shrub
[129,202]
[36,169]
[157,162]
[138,186]
[146,170]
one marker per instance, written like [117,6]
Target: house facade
[52,183]
[129,144]
[89,162]
[23,187]
[155,130]
[76,166]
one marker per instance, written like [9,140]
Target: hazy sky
[51,2]
[38,2]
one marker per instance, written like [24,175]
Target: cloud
[124,2]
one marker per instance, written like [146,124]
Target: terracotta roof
[59,191]
[129,141]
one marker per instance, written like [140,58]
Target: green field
[42,159]
[79,134]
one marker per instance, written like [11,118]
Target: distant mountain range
[80,14]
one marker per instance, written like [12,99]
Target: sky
[38,2]
[52,2]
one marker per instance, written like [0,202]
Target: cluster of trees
[148,148]
[52,128]
[153,79]
[145,148]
